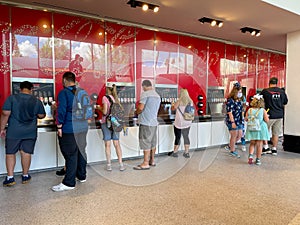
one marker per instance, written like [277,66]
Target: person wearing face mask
[234,118]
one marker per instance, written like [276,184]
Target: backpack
[115,118]
[253,123]
[189,112]
[82,108]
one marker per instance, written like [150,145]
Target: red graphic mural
[99,52]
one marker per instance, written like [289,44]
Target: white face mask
[240,94]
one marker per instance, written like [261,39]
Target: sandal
[139,167]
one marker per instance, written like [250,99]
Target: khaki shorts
[147,137]
[276,126]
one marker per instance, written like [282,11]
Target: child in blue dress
[256,137]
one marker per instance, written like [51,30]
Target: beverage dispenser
[168,95]
[126,94]
[215,101]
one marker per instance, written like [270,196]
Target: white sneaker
[108,167]
[81,181]
[122,167]
[62,187]
[243,148]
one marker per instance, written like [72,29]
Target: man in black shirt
[275,100]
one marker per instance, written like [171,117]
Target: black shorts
[12,146]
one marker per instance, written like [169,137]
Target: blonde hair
[257,103]
[184,97]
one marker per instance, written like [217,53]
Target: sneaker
[235,154]
[9,182]
[274,152]
[227,148]
[258,162]
[26,179]
[108,167]
[62,187]
[186,155]
[174,154]
[81,181]
[266,151]
[244,148]
[61,172]
[122,167]
[250,159]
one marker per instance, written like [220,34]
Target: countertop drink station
[48,155]
[168,94]
[215,101]
[126,94]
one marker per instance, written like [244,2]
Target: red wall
[5,54]
[117,53]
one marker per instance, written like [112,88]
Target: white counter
[47,153]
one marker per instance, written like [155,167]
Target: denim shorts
[12,146]
[108,134]
[238,127]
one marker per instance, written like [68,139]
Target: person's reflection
[75,65]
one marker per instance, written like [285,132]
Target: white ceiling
[183,15]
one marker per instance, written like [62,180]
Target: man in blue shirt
[71,136]
[20,112]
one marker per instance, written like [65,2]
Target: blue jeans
[72,147]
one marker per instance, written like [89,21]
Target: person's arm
[4,119]
[41,116]
[285,99]
[266,116]
[175,105]
[246,116]
[41,113]
[104,108]
[231,118]
[140,108]
[229,112]
[61,109]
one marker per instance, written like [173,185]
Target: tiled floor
[210,188]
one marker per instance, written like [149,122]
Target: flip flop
[139,167]
[152,163]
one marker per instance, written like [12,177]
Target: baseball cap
[109,85]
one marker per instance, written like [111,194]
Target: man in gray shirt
[147,110]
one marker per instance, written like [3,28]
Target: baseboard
[291,143]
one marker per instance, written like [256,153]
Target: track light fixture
[212,22]
[145,6]
[252,31]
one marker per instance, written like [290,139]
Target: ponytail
[114,93]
